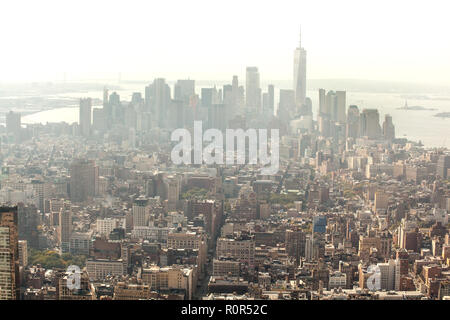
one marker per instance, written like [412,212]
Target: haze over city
[208,40]
[193,152]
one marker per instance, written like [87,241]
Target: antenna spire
[300,38]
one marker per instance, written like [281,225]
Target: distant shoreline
[443,115]
[417,108]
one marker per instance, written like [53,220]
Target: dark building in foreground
[9,254]
[442,166]
[83,180]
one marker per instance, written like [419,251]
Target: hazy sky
[212,40]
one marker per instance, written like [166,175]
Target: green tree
[195,193]
[51,259]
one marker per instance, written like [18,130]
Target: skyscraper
[85,116]
[28,218]
[99,120]
[105,98]
[65,226]
[322,102]
[330,105]
[184,90]
[268,100]
[271,98]
[136,98]
[340,106]
[208,99]
[235,92]
[227,93]
[238,99]
[370,123]
[295,242]
[83,180]
[353,122]
[13,125]
[176,112]
[252,90]
[115,110]
[388,128]
[23,253]
[443,165]
[217,116]
[300,73]
[306,108]
[9,254]
[320,224]
[141,211]
[286,105]
[387,273]
[157,99]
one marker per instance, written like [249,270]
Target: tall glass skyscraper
[300,73]
[252,90]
